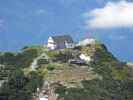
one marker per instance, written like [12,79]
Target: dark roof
[63,38]
[77,61]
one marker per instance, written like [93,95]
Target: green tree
[13,88]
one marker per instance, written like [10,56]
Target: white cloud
[118,14]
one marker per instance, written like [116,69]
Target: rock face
[130,66]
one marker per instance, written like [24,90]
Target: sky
[31,22]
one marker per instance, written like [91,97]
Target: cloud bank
[113,15]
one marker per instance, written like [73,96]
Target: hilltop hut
[60,42]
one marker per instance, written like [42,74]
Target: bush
[98,90]
[43,72]
[60,55]
[53,54]
[19,86]
[51,67]
[8,58]
[61,91]
[119,74]
[13,88]
[25,58]
[35,81]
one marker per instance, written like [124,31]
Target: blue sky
[31,22]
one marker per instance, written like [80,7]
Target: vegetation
[114,84]
[61,55]
[51,67]
[17,85]
[21,83]
[20,87]
[98,90]
[119,74]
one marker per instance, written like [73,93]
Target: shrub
[53,53]
[61,91]
[8,58]
[43,72]
[119,74]
[25,58]
[51,67]
[60,55]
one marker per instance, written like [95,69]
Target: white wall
[86,42]
[86,58]
[51,45]
[69,45]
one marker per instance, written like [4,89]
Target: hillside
[62,75]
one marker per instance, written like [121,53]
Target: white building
[86,42]
[60,42]
[44,97]
[85,58]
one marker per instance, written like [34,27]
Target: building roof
[63,38]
